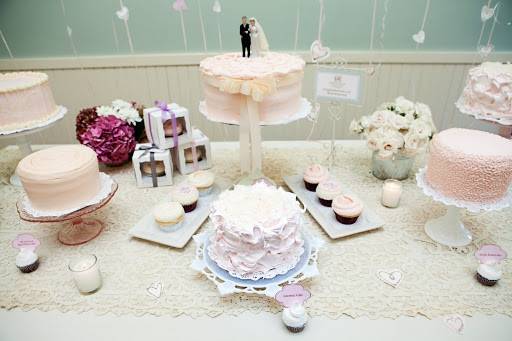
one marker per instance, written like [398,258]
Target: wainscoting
[433,78]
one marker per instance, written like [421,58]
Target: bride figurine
[258,39]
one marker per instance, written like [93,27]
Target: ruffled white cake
[257,231]
[488,92]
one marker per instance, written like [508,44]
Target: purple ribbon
[167,114]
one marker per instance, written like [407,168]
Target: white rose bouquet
[401,127]
[122,110]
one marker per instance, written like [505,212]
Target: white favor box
[202,143]
[155,127]
[141,156]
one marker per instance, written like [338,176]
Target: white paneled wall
[436,83]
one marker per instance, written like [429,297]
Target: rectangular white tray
[368,220]
[148,229]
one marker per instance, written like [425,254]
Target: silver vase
[397,167]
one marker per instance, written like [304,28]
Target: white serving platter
[368,220]
[148,229]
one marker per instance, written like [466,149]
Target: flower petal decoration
[123,13]
[216,8]
[179,5]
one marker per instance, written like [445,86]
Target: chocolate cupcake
[27,261]
[295,318]
[488,274]
[328,190]
[347,209]
[313,175]
[187,195]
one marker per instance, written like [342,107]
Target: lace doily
[437,280]
[105,189]
[470,206]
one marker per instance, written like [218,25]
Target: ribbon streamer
[219,31]
[321,19]
[6,45]
[194,156]
[127,29]
[297,25]
[201,23]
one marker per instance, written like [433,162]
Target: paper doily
[105,189]
[54,118]
[227,284]
[506,121]
[470,206]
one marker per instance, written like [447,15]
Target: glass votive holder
[391,192]
[86,273]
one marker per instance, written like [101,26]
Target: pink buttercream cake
[279,70]
[257,231]
[25,100]
[470,165]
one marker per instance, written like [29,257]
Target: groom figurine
[245,37]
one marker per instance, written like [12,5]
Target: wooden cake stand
[79,230]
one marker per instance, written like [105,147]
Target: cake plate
[78,230]
[20,135]
[228,284]
[449,230]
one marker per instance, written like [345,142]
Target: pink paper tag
[25,241]
[292,294]
[490,253]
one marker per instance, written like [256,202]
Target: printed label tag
[490,253]
[25,241]
[292,294]
[339,85]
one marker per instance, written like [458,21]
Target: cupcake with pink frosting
[347,209]
[327,190]
[313,175]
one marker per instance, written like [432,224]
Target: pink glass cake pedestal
[75,229]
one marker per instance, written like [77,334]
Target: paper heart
[419,37]
[454,322]
[123,13]
[486,50]
[319,52]
[393,277]
[155,290]
[216,8]
[179,5]
[487,12]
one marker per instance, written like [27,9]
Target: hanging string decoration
[317,50]
[180,6]
[4,41]
[124,14]
[297,25]
[419,37]
[217,9]
[488,13]
[201,23]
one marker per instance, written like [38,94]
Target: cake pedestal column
[250,138]
[449,229]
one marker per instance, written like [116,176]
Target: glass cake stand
[449,229]
[20,136]
[75,229]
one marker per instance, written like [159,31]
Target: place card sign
[490,253]
[339,85]
[292,294]
[25,241]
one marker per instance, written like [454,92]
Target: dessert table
[346,297]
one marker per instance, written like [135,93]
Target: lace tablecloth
[436,280]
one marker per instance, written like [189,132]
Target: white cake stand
[20,135]
[228,284]
[449,230]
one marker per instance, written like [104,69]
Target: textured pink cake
[273,80]
[488,92]
[470,165]
[25,100]
[257,231]
[60,178]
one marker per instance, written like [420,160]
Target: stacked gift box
[172,142]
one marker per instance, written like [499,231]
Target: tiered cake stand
[449,230]
[75,230]
[20,136]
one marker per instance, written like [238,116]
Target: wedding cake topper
[253,38]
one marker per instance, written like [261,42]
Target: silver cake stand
[20,136]
[449,229]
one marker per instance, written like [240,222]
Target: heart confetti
[419,37]
[319,52]
[393,277]
[123,13]
[216,8]
[179,6]
[487,12]
[455,322]
[155,290]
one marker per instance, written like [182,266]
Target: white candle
[86,273]
[391,192]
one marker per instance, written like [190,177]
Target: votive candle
[86,273]
[391,192]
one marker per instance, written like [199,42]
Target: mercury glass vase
[398,167]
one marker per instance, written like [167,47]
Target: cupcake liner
[310,187]
[204,191]
[325,202]
[190,208]
[29,268]
[346,220]
[485,281]
[171,227]
[296,329]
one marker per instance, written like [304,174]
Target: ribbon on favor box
[152,149]
[167,114]
[194,156]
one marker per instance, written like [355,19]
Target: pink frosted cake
[274,81]
[257,231]
[488,92]
[470,165]
[25,100]
[60,178]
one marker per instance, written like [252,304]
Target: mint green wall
[37,28]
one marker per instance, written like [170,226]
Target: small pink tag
[292,294]
[490,253]
[25,241]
